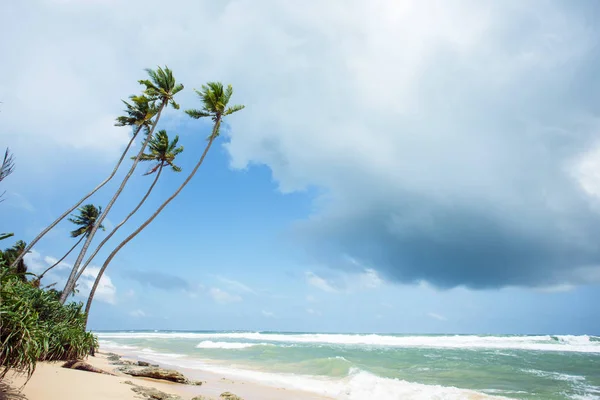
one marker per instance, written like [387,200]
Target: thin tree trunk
[148,221]
[87,196]
[119,225]
[63,257]
[71,281]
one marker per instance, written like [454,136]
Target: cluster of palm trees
[142,113]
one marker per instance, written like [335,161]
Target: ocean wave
[562,343]
[208,344]
[356,385]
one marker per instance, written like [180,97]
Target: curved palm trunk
[148,221]
[70,285]
[63,257]
[87,196]
[106,239]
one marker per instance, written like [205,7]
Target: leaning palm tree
[138,115]
[214,100]
[87,217]
[161,88]
[162,154]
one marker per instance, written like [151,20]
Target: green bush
[34,326]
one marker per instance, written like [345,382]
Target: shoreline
[50,381]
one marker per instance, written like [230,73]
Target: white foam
[208,344]
[566,343]
[358,385]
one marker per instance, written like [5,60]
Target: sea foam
[563,343]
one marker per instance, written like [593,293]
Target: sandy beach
[50,381]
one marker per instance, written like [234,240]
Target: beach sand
[50,382]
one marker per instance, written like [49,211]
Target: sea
[382,366]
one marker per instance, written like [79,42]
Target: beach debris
[151,393]
[157,373]
[83,366]
[229,396]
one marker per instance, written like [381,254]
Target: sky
[400,166]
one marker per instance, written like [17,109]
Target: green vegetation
[34,326]
[36,323]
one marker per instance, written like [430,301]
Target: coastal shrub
[34,326]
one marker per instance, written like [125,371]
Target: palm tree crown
[11,254]
[139,112]
[162,152]
[161,86]
[88,215]
[214,98]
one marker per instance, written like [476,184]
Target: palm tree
[162,153]
[161,87]
[214,100]
[138,115]
[6,168]
[11,254]
[88,215]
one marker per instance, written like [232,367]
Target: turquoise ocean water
[382,366]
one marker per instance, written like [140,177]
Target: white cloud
[437,316]
[105,291]
[311,299]
[221,296]
[313,311]
[138,313]
[267,314]
[52,260]
[236,286]
[420,110]
[561,288]
[370,279]
[320,283]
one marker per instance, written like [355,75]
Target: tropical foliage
[35,323]
[34,326]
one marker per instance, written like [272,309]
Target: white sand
[51,382]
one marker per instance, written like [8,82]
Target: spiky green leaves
[163,152]
[86,219]
[214,98]
[138,113]
[161,86]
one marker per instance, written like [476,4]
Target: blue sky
[400,166]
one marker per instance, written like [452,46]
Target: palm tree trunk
[71,281]
[63,257]
[119,225]
[148,221]
[70,210]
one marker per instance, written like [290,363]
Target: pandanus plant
[215,99]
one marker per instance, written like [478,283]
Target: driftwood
[83,366]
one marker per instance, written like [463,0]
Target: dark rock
[157,373]
[113,357]
[151,393]
[196,383]
[83,366]
[143,363]
[202,398]
[229,396]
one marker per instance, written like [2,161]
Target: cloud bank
[450,143]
